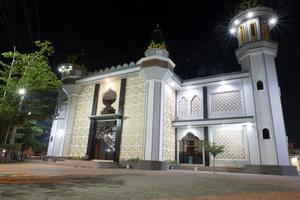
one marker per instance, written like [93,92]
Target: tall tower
[156,69]
[62,125]
[256,53]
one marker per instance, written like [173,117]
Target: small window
[242,35]
[266,133]
[265,32]
[253,31]
[260,85]
[51,138]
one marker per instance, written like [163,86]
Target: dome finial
[248,4]
[157,40]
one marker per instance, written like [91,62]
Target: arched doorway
[190,149]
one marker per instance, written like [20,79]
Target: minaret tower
[156,69]
[256,53]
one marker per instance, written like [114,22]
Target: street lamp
[22,92]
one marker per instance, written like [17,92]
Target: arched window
[266,133]
[260,85]
[196,105]
[183,108]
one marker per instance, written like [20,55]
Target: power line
[38,19]
[13,20]
[28,22]
[6,26]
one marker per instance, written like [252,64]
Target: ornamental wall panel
[132,142]
[189,104]
[183,107]
[168,129]
[233,140]
[196,105]
[227,101]
[80,132]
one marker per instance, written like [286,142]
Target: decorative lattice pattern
[132,143]
[196,105]
[168,129]
[233,140]
[80,132]
[183,107]
[228,101]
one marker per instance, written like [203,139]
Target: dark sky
[113,32]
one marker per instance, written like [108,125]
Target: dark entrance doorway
[190,150]
[104,146]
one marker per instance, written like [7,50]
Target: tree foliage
[32,72]
[214,150]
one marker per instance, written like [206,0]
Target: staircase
[88,164]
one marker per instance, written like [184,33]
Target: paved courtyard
[45,181]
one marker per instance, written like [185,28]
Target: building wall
[234,139]
[132,142]
[168,129]
[80,132]
[190,104]
[226,100]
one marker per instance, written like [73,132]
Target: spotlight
[236,22]
[273,21]
[232,31]
[22,91]
[250,14]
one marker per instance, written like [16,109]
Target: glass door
[105,140]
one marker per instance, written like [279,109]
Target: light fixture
[236,22]
[172,84]
[250,14]
[273,21]
[60,132]
[232,31]
[64,68]
[223,82]
[22,91]
[29,113]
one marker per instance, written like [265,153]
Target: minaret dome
[253,24]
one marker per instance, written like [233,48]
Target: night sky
[114,32]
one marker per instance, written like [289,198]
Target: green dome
[248,4]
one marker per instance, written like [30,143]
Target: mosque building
[143,110]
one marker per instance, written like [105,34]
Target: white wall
[189,94]
[226,86]
[56,139]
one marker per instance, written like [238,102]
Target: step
[88,164]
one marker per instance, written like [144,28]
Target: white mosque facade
[144,111]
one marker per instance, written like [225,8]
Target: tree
[32,72]
[214,150]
